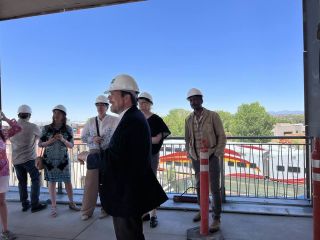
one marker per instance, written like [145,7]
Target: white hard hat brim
[59,110]
[147,99]
[102,103]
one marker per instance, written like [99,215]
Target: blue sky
[234,51]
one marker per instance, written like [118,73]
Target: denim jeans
[215,185]
[21,171]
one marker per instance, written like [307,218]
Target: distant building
[289,129]
[77,129]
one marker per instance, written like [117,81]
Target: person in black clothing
[159,131]
[128,188]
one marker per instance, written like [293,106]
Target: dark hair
[64,120]
[134,99]
[2,136]
[147,99]
[107,104]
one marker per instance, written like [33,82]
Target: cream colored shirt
[24,142]
[106,128]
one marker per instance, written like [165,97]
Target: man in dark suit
[128,187]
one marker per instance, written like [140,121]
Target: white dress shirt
[107,127]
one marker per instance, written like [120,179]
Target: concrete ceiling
[11,9]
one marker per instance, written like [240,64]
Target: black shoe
[25,208]
[197,217]
[146,217]
[153,222]
[39,207]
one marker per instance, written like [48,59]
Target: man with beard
[201,126]
[128,187]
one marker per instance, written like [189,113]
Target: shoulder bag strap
[98,132]
[97,126]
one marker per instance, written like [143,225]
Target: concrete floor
[172,225]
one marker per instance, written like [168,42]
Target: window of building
[168,149]
[230,164]
[177,164]
[253,165]
[294,169]
[280,168]
[240,164]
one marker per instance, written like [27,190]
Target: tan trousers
[90,195]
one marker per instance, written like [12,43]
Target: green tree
[290,118]
[252,120]
[175,120]
[226,119]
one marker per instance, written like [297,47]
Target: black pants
[22,170]
[130,228]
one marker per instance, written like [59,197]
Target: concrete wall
[311,19]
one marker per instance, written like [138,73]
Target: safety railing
[278,168]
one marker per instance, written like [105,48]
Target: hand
[51,140]
[82,157]
[59,136]
[156,139]
[3,117]
[97,140]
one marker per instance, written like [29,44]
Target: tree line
[251,119]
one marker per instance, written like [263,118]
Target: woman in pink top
[4,174]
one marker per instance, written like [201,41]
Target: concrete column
[311,21]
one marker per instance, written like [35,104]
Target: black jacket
[128,186]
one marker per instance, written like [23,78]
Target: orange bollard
[316,189]
[204,189]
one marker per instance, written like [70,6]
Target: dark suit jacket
[128,186]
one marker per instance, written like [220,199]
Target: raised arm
[14,127]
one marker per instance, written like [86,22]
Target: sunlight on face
[58,116]
[102,108]
[117,101]
[195,102]
[144,105]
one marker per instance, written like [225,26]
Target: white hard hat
[61,108]
[194,92]
[123,82]
[102,99]
[146,96]
[24,109]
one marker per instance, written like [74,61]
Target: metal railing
[251,167]
[277,169]
[268,170]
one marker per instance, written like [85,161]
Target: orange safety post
[204,189]
[316,189]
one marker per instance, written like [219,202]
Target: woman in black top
[159,131]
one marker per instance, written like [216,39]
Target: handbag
[39,161]
[94,161]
